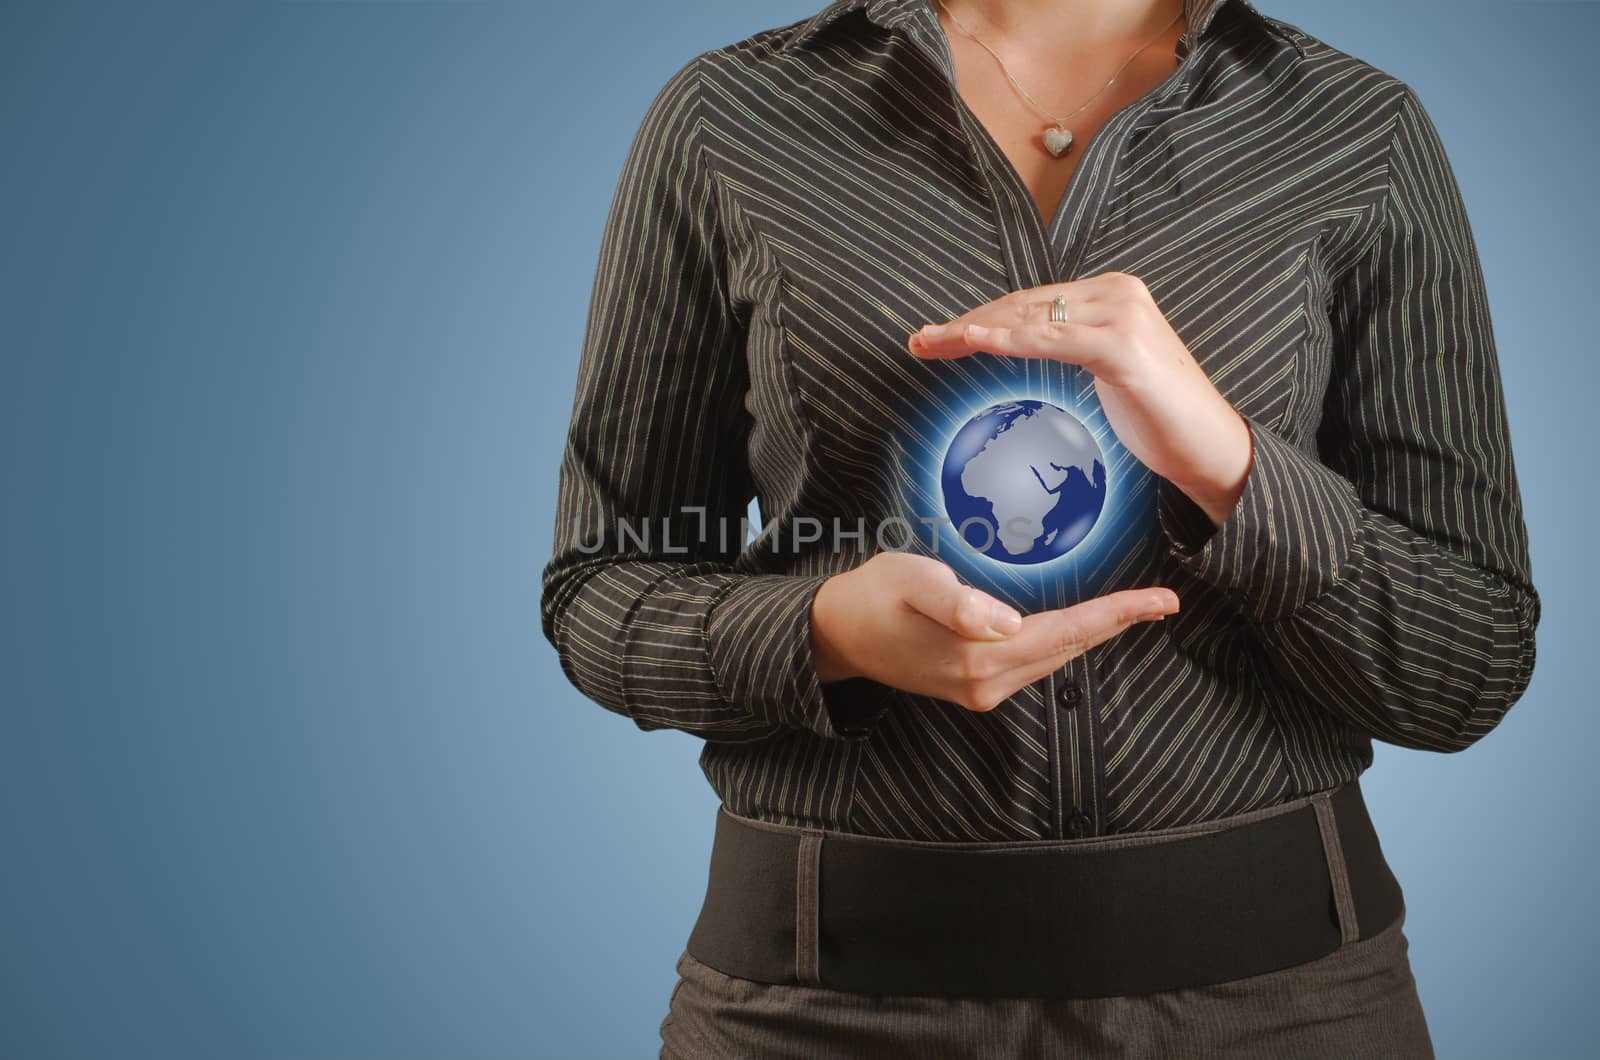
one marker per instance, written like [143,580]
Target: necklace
[1057,137]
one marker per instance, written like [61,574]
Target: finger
[1104,287]
[988,674]
[1026,674]
[1072,342]
[960,608]
[937,342]
[942,338]
[1050,638]
[1033,303]
[956,338]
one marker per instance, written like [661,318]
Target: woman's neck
[1066,25]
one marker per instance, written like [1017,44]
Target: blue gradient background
[292,303]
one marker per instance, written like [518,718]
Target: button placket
[1079,824]
[1036,254]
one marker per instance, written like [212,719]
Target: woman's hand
[907,621]
[1157,399]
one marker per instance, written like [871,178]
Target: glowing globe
[1024,482]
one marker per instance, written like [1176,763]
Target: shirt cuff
[758,641]
[1287,540]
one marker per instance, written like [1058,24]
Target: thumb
[969,612]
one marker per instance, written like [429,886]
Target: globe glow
[1024,482]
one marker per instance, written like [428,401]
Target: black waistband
[1101,917]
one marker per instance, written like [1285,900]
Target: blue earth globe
[1024,482]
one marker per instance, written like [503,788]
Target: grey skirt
[1358,1001]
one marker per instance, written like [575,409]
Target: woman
[1207,305]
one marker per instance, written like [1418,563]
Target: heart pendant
[1057,140]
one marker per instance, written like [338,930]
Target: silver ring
[1058,310]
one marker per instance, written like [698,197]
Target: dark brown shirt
[799,201]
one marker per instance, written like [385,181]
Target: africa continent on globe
[1023,482]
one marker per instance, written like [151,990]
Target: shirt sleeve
[1388,575]
[641,598]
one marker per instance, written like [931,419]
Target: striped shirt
[798,202]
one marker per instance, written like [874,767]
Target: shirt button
[1079,825]
[1070,695]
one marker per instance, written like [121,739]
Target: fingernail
[977,331]
[1003,619]
[932,329]
[1160,607]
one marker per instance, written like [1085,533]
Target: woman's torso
[861,198]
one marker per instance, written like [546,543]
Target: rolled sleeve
[1389,571]
[1289,537]
[760,652]
[643,598]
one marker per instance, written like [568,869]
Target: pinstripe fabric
[798,201]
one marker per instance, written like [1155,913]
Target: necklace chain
[1060,123]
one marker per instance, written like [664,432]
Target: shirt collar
[891,13]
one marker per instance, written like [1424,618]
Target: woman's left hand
[1156,397]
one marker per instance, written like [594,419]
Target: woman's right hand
[907,621]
